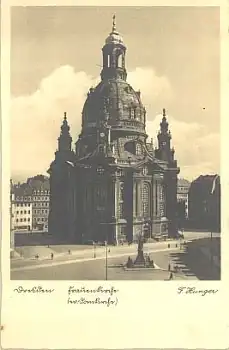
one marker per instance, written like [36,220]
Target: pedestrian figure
[51,256]
[152,264]
[37,256]
[69,251]
[129,263]
[169,267]
[168,245]
[109,250]
[48,245]
[176,245]
[171,276]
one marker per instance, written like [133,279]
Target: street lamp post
[106,260]
[94,244]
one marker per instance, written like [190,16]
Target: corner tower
[164,150]
[65,140]
[165,153]
[60,185]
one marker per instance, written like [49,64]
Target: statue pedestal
[140,260]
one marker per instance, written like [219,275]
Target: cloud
[197,150]
[154,88]
[36,120]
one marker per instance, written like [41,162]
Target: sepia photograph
[115,143]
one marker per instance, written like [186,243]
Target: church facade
[114,186]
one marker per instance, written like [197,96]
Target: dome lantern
[114,52]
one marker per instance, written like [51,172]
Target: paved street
[81,264]
[95,269]
[78,256]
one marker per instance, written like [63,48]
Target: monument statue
[140,244]
[140,260]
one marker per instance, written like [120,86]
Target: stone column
[154,198]
[134,199]
[115,209]
[139,199]
[156,225]
[171,205]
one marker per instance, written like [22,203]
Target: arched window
[138,149]
[145,200]
[119,61]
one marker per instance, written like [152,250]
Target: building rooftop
[183,183]
[37,183]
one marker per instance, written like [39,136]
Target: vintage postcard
[115,185]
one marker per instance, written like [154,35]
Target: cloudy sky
[172,57]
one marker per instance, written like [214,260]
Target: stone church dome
[114,101]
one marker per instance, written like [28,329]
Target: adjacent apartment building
[30,207]
[183,186]
[21,209]
[40,198]
[204,202]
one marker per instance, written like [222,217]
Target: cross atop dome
[114,24]
[114,37]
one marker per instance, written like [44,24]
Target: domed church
[114,186]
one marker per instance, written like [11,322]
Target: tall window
[138,149]
[119,61]
[162,201]
[121,201]
[145,200]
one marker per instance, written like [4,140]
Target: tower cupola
[65,139]
[164,151]
[114,52]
